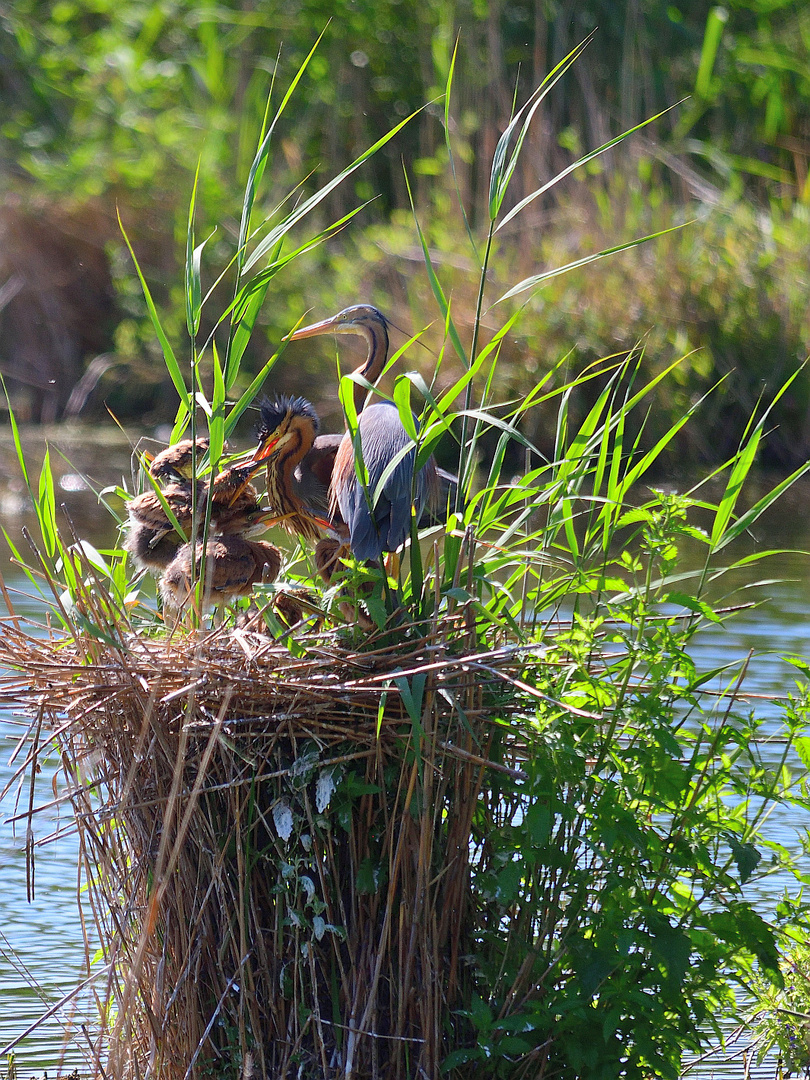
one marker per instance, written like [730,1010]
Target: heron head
[279,419]
[360,319]
[176,462]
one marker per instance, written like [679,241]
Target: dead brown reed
[275,848]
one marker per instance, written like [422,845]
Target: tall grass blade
[746,520]
[193,278]
[216,423]
[638,470]
[15,434]
[503,169]
[538,279]
[309,204]
[172,365]
[742,464]
[46,506]
[578,165]
[402,400]
[451,156]
[247,303]
[260,161]
[435,285]
[249,396]
[715,22]
[244,329]
[739,472]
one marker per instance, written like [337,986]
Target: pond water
[42,948]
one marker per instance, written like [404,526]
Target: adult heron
[377,521]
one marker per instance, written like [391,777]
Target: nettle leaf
[802,746]
[746,858]
[376,609]
[368,877]
[324,790]
[509,880]
[462,1057]
[480,1013]
[283,819]
[522,1022]
[538,821]
[514,1046]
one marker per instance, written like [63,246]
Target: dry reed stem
[249,906]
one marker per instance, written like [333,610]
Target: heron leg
[328,553]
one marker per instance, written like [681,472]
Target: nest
[276,847]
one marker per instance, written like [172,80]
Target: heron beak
[260,521]
[250,470]
[266,447]
[326,326]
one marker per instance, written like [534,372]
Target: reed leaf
[170,359]
[435,285]
[193,279]
[280,230]
[260,161]
[579,163]
[503,165]
[537,279]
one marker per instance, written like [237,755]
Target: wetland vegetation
[523,794]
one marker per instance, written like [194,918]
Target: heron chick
[233,565]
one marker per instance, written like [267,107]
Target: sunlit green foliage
[101,95]
[783,1014]
[620,816]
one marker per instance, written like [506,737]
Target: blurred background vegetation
[106,106]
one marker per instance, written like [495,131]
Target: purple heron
[385,525]
[233,565]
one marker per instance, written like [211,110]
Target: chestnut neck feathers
[293,423]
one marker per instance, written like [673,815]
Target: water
[41,946]
[42,949]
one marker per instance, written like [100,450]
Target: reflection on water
[41,943]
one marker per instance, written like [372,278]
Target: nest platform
[276,847]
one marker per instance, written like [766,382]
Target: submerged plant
[512,833]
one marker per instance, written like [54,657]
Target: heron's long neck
[377,339]
[281,489]
[280,469]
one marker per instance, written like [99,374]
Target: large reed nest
[276,847]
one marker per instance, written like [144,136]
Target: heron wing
[313,474]
[382,438]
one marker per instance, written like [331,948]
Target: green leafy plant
[783,1013]
[514,833]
